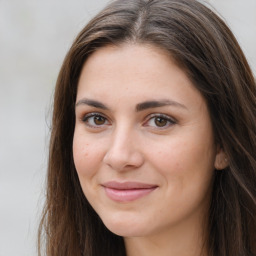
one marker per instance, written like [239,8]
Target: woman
[153,137]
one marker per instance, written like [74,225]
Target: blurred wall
[34,38]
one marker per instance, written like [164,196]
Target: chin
[125,227]
[127,231]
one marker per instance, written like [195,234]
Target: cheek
[187,169]
[86,156]
[170,156]
[184,159]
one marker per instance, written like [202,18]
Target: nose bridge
[123,151]
[122,138]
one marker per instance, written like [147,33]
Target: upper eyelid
[90,114]
[161,115]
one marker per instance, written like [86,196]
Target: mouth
[127,191]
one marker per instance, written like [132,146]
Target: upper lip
[128,185]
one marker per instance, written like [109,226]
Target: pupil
[160,121]
[99,120]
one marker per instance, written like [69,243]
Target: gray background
[34,38]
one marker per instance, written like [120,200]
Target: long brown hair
[206,49]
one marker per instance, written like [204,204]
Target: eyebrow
[158,103]
[139,107]
[92,103]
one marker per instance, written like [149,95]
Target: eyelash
[166,118]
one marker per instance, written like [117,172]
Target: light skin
[140,119]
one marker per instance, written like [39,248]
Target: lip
[127,191]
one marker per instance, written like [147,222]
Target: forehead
[134,72]
[127,61]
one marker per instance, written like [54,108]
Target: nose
[124,152]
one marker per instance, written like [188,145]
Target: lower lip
[127,195]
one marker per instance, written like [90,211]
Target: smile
[127,191]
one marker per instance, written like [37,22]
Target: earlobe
[221,160]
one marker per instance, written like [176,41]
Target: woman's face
[143,143]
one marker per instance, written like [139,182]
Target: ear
[221,160]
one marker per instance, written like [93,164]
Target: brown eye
[160,121]
[95,120]
[99,120]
